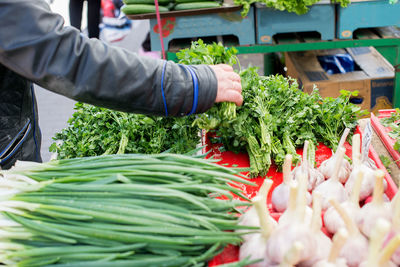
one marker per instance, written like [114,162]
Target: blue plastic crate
[320,18]
[218,24]
[366,14]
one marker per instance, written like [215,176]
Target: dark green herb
[276,117]
[96,131]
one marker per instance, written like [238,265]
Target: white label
[366,141]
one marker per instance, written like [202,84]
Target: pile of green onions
[118,210]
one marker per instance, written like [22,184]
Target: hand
[229,85]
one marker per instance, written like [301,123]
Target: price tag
[366,141]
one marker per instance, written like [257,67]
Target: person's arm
[35,44]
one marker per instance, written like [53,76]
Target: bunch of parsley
[275,118]
[94,131]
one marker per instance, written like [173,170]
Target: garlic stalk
[368,182]
[314,176]
[378,233]
[333,260]
[250,217]
[395,226]
[255,246]
[388,252]
[292,257]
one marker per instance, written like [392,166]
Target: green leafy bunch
[211,54]
[276,116]
[299,7]
[96,131]
[335,115]
[394,123]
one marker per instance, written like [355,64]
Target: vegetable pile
[95,131]
[133,7]
[394,123]
[118,210]
[275,119]
[299,7]
[365,233]
[276,116]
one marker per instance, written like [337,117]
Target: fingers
[237,86]
[233,96]
[229,84]
[225,67]
[234,77]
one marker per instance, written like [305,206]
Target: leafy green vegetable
[211,54]
[385,161]
[297,6]
[98,131]
[394,123]
[276,117]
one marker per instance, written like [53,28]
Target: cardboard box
[374,78]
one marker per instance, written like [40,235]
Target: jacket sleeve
[35,44]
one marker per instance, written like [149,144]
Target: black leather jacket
[36,47]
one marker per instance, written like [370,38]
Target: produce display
[275,118]
[113,199]
[364,233]
[134,7]
[94,131]
[297,6]
[118,210]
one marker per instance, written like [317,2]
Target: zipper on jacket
[15,143]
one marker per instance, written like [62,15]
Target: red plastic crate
[383,133]
[228,158]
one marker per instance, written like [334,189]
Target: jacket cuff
[208,86]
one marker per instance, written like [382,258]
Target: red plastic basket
[383,133]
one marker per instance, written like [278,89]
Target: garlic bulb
[255,244]
[327,167]
[324,243]
[280,195]
[297,204]
[376,209]
[355,249]
[332,220]
[281,240]
[332,188]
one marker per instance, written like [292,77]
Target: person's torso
[19,132]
